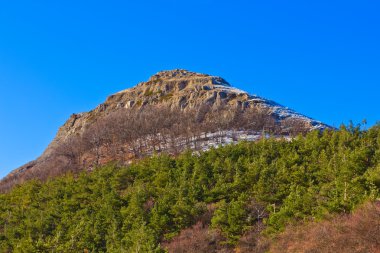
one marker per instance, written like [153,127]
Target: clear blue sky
[321,58]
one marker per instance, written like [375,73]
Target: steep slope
[172,111]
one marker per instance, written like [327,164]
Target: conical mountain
[172,111]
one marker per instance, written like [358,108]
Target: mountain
[172,111]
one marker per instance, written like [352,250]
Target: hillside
[171,112]
[236,198]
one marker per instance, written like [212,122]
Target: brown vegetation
[198,238]
[358,232]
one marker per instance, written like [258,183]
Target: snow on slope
[280,111]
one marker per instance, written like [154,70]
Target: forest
[238,197]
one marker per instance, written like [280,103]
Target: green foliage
[134,208]
[231,218]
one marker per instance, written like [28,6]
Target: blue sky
[321,58]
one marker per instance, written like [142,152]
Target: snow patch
[230,89]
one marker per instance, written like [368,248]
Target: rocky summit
[183,89]
[172,111]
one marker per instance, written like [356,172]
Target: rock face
[171,89]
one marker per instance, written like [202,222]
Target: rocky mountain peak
[178,88]
[185,75]
[176,73]
[170,101]
[185,90]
